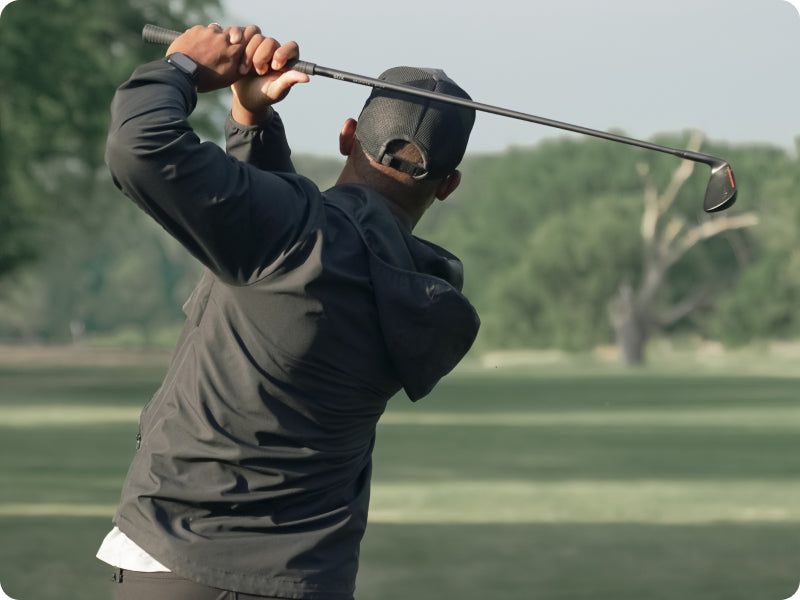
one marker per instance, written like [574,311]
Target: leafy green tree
[553,296]
[638,310]
[60,62]
[128,274]
[505,197]
[765,302]
[60,217]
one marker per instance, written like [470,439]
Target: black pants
[133,585]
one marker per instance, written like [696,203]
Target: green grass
[561,483]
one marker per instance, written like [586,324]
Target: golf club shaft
[159,35]
[315,69]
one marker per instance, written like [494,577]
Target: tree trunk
[631,329]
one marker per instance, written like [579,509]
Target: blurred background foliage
[549,234]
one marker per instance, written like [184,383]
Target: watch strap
[184,64]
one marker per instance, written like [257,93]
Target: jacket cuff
[234,124]
[263,146]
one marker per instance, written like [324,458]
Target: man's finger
[251,30]
[284,53]
[252,45]
[277,90]
[263,55]
[235,35]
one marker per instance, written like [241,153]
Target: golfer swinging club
[252,470]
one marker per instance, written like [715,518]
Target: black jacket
[254,460]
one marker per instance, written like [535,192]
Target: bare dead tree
[636,313]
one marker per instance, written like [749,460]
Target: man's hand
[266,81]
[218,52]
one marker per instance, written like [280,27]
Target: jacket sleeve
[265,146]
[235,218]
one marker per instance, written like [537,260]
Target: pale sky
[730,68]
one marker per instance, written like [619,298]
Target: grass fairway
[565,483]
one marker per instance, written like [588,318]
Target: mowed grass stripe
[66,415]
[665,502]
[778,417]
[587,501]
[760,416]
[57,510]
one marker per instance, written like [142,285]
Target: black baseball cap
[439,130]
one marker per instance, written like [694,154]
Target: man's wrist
[250,119]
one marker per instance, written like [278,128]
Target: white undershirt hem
[118,550]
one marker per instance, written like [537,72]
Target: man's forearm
[210,203]
[149,129]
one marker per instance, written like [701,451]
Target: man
[251,476]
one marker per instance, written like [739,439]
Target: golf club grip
[153,34]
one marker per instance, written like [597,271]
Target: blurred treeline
[554,237]
[73,258]
[551,236]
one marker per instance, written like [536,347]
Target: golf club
[721,190]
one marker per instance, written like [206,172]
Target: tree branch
[651,212]
[655,205]
[681,174]
[677,311]
[705,230]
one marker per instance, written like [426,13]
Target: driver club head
[721,190]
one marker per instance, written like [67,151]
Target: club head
[721,190]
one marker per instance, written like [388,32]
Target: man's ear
[448,185]
[347,137]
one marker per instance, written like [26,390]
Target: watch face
[183,62]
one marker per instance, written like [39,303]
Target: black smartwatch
[184,64]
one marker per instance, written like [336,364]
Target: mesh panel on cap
[438,129]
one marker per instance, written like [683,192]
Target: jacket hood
[427,323]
